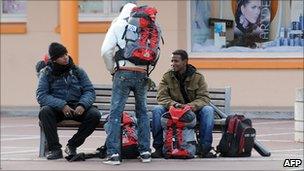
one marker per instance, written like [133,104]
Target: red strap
[231,125]
[237,121]
[242,142]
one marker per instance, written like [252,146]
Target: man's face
[63,60]
[177,63]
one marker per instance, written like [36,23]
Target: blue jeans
[123,83]
[206,121]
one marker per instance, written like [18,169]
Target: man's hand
[68,111]
[193,108]
[178,105]
[79,110]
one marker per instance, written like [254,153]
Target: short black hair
[182,53]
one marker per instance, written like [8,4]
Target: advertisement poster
[252,20]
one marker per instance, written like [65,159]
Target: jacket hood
[126,10]
[190,70]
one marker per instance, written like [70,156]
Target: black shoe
[70,150]
[204,152]
[157,154]
[55,154]
[209,155]
[77,157]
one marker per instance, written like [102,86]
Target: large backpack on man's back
[238,137]
[142,35]
[178,134]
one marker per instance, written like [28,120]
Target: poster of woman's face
[252,19]
[251,11]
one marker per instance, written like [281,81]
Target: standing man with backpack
[183,86]
[128,51]
[65,92]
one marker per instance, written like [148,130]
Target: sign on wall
[252,20]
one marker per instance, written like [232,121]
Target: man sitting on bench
[179,86]
[65,92]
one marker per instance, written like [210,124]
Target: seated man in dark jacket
[65,92]
[180,86]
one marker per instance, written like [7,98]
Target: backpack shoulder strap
[231,125]
[124,33]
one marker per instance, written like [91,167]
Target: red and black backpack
[179,135]
[238,137]
[129,136]
[129,139]
[142,36]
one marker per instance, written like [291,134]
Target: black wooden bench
[220,97]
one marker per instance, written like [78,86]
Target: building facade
[259,79]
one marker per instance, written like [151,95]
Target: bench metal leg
[43,143]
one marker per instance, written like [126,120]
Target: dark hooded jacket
[61,85]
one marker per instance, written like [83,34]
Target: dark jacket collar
[57,69]
[189,72]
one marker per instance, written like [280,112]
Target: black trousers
[49,117]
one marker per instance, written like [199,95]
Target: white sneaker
[114,159]
[145,157]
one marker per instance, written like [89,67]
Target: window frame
[99,17]
[237,55]
[13,23]
[12,18]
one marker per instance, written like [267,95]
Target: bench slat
[102,92]
[128,107]
[107,111]
[109,93]
[218,102]
[217,96]
[217,90]
[131,100]
[107,99]
[132,106]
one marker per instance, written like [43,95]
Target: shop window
[254,26]
[103,10]
[13,11]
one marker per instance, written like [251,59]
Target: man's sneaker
[70,150]
[207,153]
[145,157]
[54,154]
[158,153]
[114,159]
